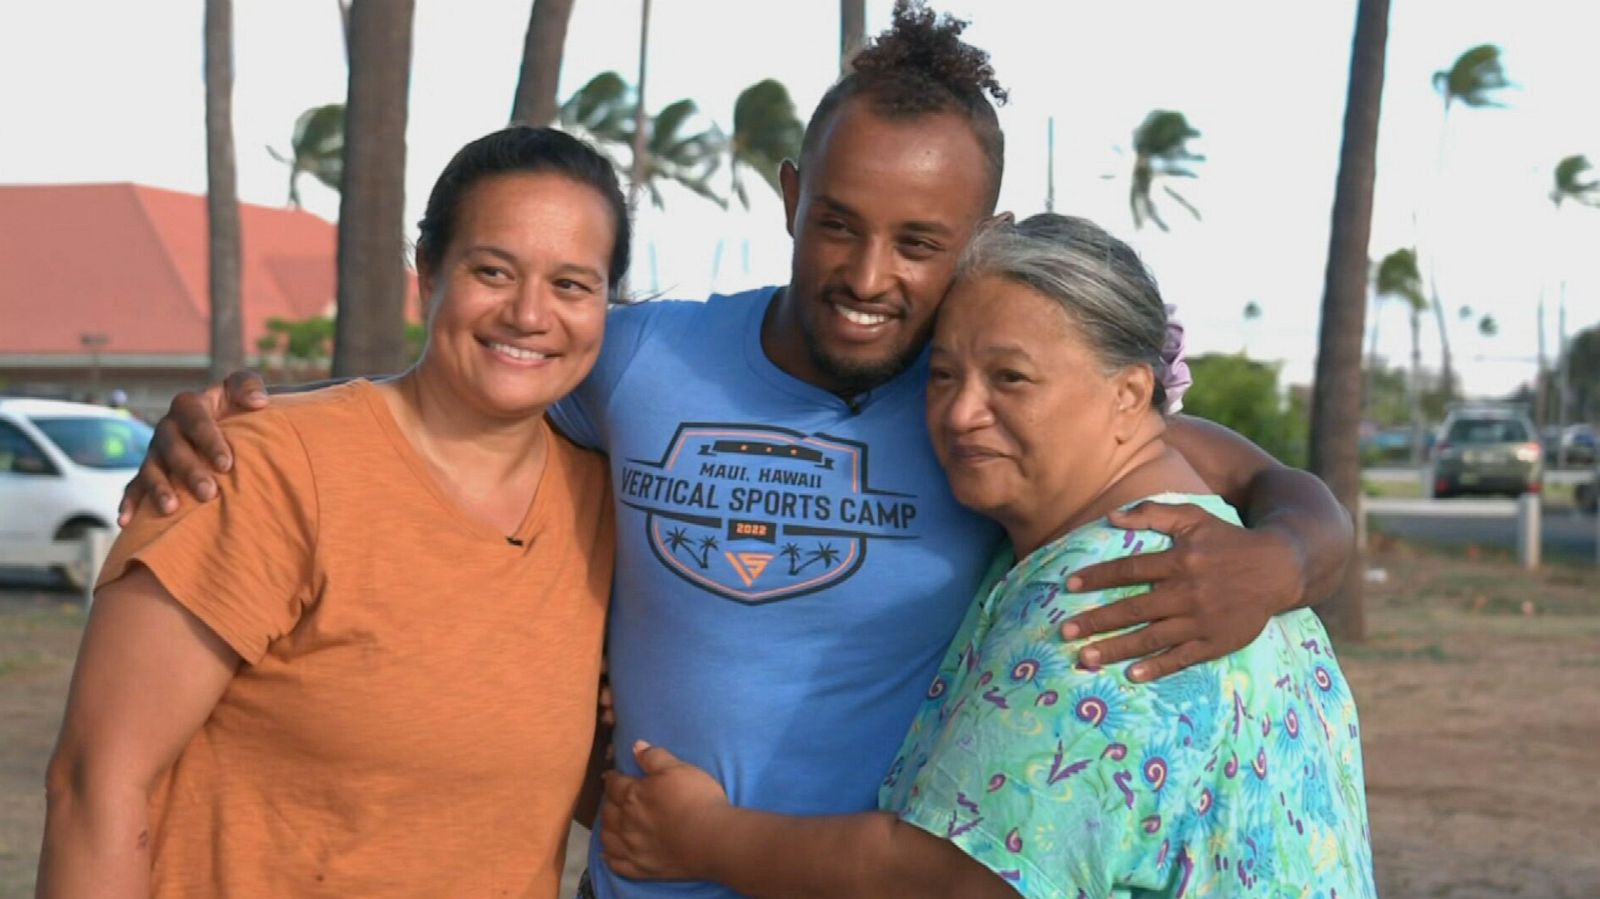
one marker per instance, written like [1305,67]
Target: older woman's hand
[1211,593]
[656,826]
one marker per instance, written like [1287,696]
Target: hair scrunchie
[1176,379]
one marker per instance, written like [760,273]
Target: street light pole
[92,342]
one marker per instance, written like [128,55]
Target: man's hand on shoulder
[1211,593]
[189,447]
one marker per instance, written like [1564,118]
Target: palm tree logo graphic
[678,538]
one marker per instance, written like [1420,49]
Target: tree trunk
[369,332]
[1415,393]
[641,121]
[535,102]
[1447,376]
[1336,409]
[344,26]
[852,31]
[222,194]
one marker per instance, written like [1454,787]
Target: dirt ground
[1479,692]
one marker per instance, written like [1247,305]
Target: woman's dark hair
[521,150]
[921,67]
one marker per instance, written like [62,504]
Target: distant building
[103,286]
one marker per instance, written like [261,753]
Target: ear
[789,180]
[1134,389]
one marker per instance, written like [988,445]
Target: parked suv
[1487,450]
[62,470]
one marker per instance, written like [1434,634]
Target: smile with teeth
[516,352]
[866,319]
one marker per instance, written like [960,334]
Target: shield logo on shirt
[758,514]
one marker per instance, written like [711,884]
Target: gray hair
[1096,279]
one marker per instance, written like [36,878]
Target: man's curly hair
[921,67]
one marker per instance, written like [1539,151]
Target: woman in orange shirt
[370,667]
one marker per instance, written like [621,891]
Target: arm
[188,447]
[1273,497]
[148,675]
[676,823]
[588,805]
[1216,588]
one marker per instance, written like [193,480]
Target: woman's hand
[661,826]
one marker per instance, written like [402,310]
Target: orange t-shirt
[416,709]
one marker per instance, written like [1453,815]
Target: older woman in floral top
[1027,771]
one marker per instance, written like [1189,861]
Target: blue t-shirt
[790,567]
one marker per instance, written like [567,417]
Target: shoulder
[584,468]
[665,313]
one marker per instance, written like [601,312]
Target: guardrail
[1528,510]
[88,549]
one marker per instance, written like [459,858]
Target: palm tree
[370,336]
[1335,408]
[640,135]
[542,49]
[766,131]
[316,149]
[791,551]
[605,112]
[601,112]
[1573,184]
[673,153]
[677,539]
[1474,80]
[1399,278]
[1161,150]
[852,31]
[222,193]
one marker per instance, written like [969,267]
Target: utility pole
[1050,165]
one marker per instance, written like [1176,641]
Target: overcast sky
[108,90]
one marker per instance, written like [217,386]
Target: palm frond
[766,131]
[1399,276]
[1570,183]
[1475,79]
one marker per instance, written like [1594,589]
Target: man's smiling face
[879,214]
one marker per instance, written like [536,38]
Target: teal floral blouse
[1239,777]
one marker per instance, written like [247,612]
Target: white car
[62,470]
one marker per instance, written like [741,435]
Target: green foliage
[1571,183]
[1399,277]
[309,341]
[1161,148]
[766,131]
[1583,371]
[1388,403]
[602,111]
[676,153]
[317,148]
[1242,394]
[1475,79]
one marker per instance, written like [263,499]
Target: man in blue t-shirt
[790,563]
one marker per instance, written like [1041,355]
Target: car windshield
[1487,430]
[98,442]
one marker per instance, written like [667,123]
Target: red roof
[129,262]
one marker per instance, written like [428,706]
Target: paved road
[1572,476]
[1485,522]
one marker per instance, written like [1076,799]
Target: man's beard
[852,377]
